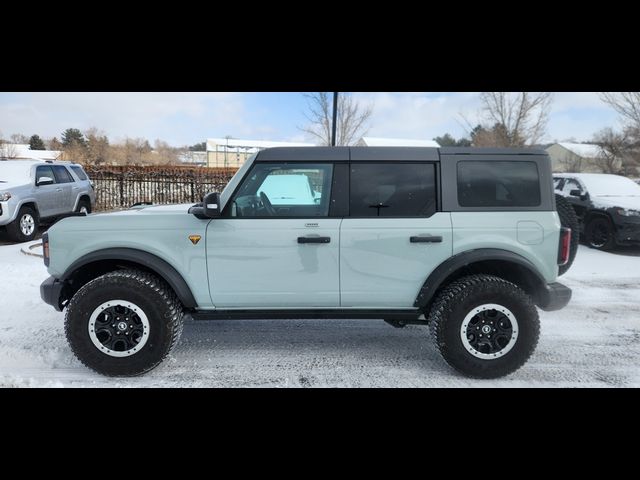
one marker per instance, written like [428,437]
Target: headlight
[628,213]
[4,196]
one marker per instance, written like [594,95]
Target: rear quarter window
[498,184]
[79,173]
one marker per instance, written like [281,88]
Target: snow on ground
[594,342]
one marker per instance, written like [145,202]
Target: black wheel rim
[118,328]
[599,235]
[489,331]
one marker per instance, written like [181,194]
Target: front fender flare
[154,263]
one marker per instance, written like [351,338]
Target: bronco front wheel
[123,323]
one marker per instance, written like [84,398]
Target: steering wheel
[267,204]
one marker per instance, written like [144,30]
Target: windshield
[610,186]
[233,183]
[14,172]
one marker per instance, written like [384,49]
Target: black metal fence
[120,187]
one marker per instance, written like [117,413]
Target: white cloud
[563,101]
[420,115]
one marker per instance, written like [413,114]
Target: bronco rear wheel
[484,326]
[123,323]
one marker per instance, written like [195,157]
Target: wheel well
[32,205]
[513,272]
[597,213]
[90,271]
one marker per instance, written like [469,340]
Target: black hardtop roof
[336,154]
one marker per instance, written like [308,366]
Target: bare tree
[614,147]
[353,118]
[8,150]
[627,104]
[19,138]
[97,146]
[571,163]
[165,153]
[515,119]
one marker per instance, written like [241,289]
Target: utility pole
[335,119]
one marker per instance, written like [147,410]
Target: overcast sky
[189,118]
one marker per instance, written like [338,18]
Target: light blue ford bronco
[465,240]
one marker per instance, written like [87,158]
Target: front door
[394,237]
[276,245]
[49,197]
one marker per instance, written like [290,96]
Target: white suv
[32,191]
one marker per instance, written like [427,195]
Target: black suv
[607,207]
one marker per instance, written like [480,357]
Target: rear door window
[62,174]
[392,190]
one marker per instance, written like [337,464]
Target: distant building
[395,142]
[575,157]
[20,151]
[233,152]
[193,158]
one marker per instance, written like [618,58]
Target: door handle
[314,239]
[426,239]
[58,189]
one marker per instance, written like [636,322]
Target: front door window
[284,190]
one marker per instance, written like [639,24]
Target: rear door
[395,235]
[65,183]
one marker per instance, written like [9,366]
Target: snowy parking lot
[594,342]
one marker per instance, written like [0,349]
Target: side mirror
[209,208]
[44,181]
[579,194]
[211,205]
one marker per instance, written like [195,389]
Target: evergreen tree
[36,143]
[73,137]
[447,140]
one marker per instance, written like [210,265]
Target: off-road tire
[568,218]
[14,230]
[84,203]
[461,297]
[159,303]
[589,231]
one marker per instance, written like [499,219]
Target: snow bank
[595,342]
